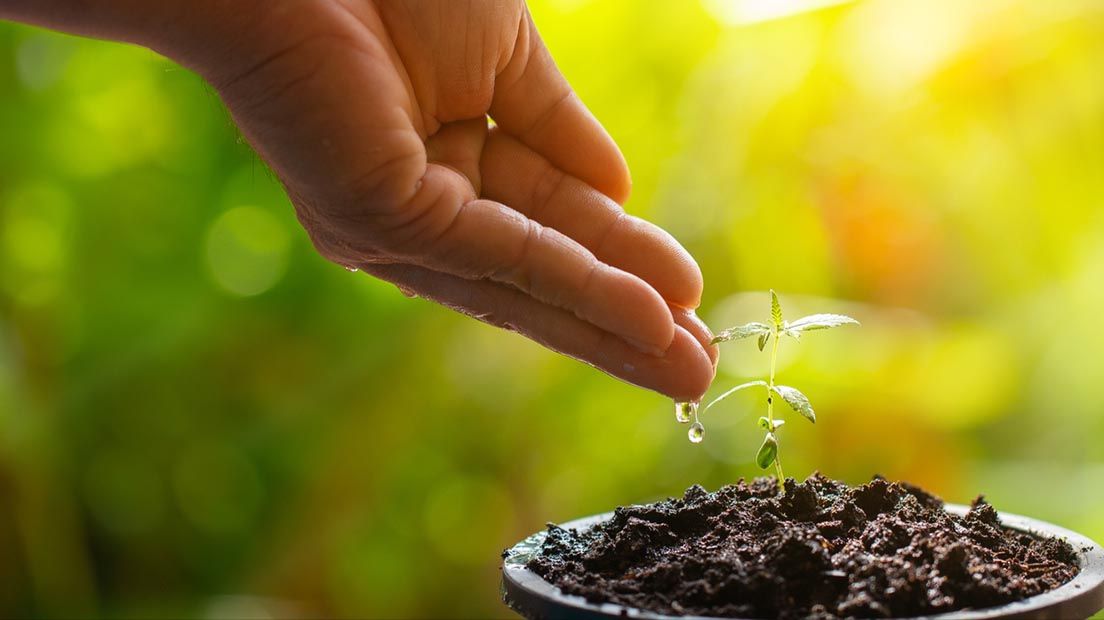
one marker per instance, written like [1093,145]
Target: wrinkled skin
[374,115]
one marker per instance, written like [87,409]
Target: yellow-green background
[201,417]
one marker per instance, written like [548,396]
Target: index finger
[445,228]
[515,175]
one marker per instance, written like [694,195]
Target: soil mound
[822,550]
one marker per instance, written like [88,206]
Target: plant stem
[770,412]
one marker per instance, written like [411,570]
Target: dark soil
[823,550]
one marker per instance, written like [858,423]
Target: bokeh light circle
[247,250]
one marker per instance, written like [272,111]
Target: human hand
[374,115]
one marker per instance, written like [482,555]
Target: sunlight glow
[742,12]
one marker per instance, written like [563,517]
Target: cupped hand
[375,116]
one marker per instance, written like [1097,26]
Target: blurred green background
[201,417]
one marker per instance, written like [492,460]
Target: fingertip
[684,373]
[594,158]
[584,149]
[692,281]
[690,371]
[688,320]
[619,186]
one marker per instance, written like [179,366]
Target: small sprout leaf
[741,331]
[797,401]
[819,321]
[767,452]
[774,328]
[766,425]
[792,333]
[733,391]
[776,310]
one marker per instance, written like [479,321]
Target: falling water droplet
[351,269]
[696,432]
[685,411]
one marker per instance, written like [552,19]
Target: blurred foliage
[200,416]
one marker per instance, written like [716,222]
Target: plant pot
[532,597]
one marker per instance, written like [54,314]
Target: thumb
[534,103]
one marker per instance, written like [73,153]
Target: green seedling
[771,333]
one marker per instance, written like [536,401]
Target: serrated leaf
[733,391]
[767,452]
[741,331]
[797,401]
[763,338]
[820,321]
[776,310]
[766,425]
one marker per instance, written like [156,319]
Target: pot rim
[530,595]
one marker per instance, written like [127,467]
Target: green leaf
[819,321]
[741,331]
[763,338]
[733,391]
[797,401]
[776,310]
[796,335]
[766,425]
[767,452]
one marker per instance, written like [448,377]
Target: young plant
[772,333]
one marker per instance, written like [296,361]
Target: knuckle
[516,269]
[550,181]
[619,221]
[375,204]
[389,184]
[419,225]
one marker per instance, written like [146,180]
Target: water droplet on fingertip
[696,432]
[685,411]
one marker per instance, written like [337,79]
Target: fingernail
[645,348]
